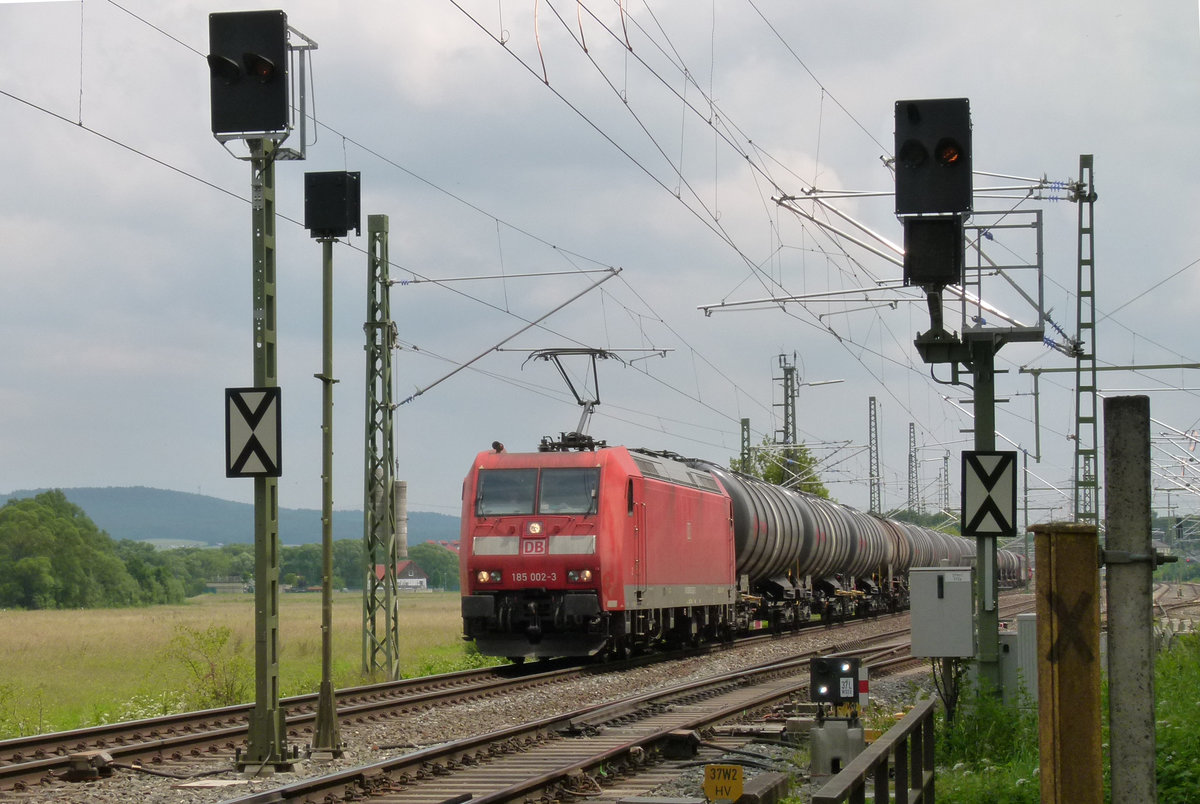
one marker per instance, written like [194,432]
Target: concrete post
[1068,639]
[1129,558]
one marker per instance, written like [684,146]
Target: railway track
[209,740]
[1169,597]
[223,731]
[570,755]
[219,733]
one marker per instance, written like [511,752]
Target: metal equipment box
[942,611]
[1018,661]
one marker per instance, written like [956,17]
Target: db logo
[533,547]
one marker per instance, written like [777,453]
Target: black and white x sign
[252,432]
[989,493]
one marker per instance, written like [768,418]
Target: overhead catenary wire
[848,342]
[685,72]
[566,253]
[523,329]
[499,221]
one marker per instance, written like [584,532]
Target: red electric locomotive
[570,553]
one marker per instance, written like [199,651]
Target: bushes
[221,675]
[1177,737]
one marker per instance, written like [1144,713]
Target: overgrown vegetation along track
[221,731]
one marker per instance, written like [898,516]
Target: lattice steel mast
[914,498]
[787,435]
[1086,478]
[873,459]
[380,613]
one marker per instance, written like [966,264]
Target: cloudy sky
[567,139]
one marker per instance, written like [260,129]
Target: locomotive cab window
[504,492]
[568,491]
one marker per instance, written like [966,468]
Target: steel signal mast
[250,100]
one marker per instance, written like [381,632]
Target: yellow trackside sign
[723,782]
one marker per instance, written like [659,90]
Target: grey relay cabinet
[941,605]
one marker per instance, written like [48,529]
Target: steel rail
[457,768]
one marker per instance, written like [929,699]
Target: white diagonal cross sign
[252,438]
[989,493]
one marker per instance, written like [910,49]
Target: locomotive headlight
[535,528]
[579,576]
[484,576]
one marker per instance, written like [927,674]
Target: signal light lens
[949,152]
[260,67]
[226,70]
[912,154]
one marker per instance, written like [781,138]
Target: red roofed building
[408,576]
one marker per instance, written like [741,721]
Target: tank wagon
[614,550]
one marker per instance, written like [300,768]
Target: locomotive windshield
[568,491]
[507,492]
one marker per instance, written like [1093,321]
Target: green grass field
[69,669]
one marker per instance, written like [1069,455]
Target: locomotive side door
[636,502]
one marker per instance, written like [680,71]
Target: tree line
[52,556]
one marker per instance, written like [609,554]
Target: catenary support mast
[787,435]
[914,491]
[1086,419]
[380,626]
[873,459]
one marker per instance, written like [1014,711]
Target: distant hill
[159,516]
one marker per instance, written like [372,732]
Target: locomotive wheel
[617,651]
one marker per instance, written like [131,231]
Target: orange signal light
[949,152]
